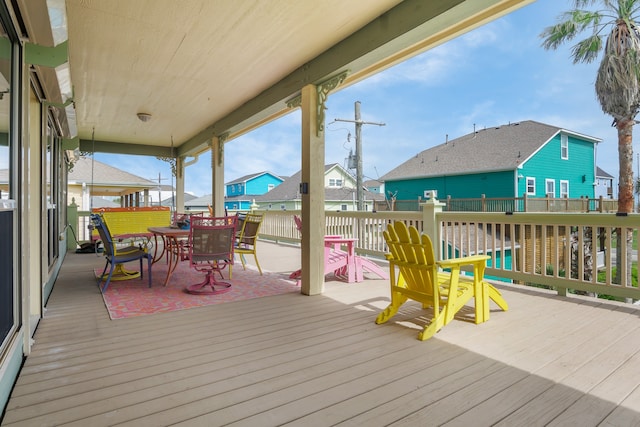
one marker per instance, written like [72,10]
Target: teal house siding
[260,185]
[501,162]
[578,169]
[493,184]
[240,192]
[255,184]
[238,205]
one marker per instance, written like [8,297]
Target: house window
[282,207]
[343,207]
[269,205]
[531,186]
[564,188]
[334,182]
[564,147]
[550,188]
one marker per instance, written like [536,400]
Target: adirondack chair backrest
[413,254]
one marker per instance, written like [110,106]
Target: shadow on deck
[322,361]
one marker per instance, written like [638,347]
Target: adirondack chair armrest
[475,260]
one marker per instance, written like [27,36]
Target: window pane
[8,315]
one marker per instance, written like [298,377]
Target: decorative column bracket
[295,102]
[179,167]
[222,138]
[323,92]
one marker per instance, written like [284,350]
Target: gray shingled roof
[168,201]
[199,201]
[490,149]
[602,174]
[93,171]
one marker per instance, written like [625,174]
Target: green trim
[70,143]
[89,146]
[46,56]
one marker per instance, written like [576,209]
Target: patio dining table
[170,237]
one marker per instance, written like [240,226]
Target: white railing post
[430,209]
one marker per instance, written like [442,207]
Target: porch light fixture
[144,117]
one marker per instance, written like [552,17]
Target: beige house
[339,193]
[91,178]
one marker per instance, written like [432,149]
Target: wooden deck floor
[322,361]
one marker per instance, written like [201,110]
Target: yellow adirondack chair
[420,278]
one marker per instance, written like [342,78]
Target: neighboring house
[604,184]
[90,177]
[241,192]
[198,203]
[507,161]
[340,192]
[374,186]
[169,201]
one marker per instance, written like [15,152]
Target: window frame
[551,182]
[531,179]
[564,194]
[564,147]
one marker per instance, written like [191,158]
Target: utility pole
[160,179]
[359,122]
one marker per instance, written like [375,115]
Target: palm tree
[618,80]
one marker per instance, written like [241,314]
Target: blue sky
[494,75]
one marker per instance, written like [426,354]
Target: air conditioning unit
[430,194]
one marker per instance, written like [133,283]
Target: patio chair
[183,221]
[421,280]
[247,238]
[343,264]
[211,247]
[116,256]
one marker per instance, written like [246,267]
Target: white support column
[312,194]
[217,174]
[179,202]
[430,209]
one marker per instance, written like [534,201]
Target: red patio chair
[211,248]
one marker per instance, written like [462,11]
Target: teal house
[241,192]
[525,158]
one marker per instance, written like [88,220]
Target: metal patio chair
[116,256]
[211,248]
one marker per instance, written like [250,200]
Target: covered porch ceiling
[203,68]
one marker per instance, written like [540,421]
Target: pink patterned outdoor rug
[130,298]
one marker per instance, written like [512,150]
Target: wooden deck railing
[514,204]
[582,252]
[560,250]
